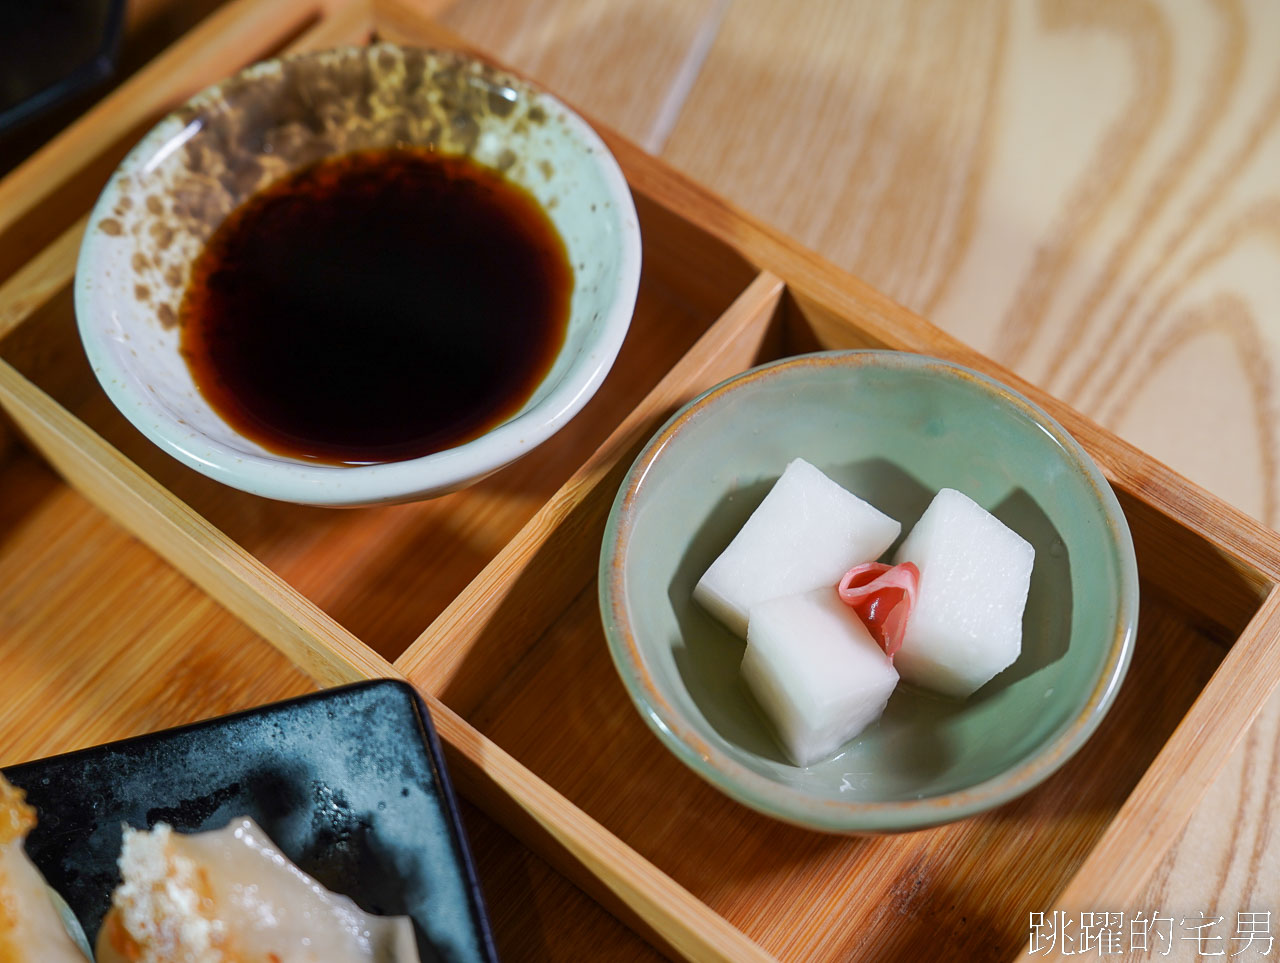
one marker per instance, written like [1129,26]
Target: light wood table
[1086,190]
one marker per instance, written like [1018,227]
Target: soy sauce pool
[376,307]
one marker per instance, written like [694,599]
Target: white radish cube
[816,671]
[806,534]
[966,625]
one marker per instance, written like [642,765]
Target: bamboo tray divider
[485,599]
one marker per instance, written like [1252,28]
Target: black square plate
[348,782]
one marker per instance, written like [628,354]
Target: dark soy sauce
[375,307]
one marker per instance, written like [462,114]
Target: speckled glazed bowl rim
[340,485]
[782,801]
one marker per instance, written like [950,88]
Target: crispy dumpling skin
[230,896]
[35,925]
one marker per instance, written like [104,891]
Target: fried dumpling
[230,896]
[35,925]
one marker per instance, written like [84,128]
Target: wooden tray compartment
[896,894]
[84,661]
[386,573]
[166,654]
[486,599]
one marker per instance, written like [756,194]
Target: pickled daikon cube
[966,624]
[804,535]
[816,671]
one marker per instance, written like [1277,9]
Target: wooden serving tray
[135,594]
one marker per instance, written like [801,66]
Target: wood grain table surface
[1086,190]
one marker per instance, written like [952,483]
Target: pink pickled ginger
[883,596]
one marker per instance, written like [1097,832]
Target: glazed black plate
[348,782]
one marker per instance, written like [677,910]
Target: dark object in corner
[52,50]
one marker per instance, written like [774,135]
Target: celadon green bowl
[893,428]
